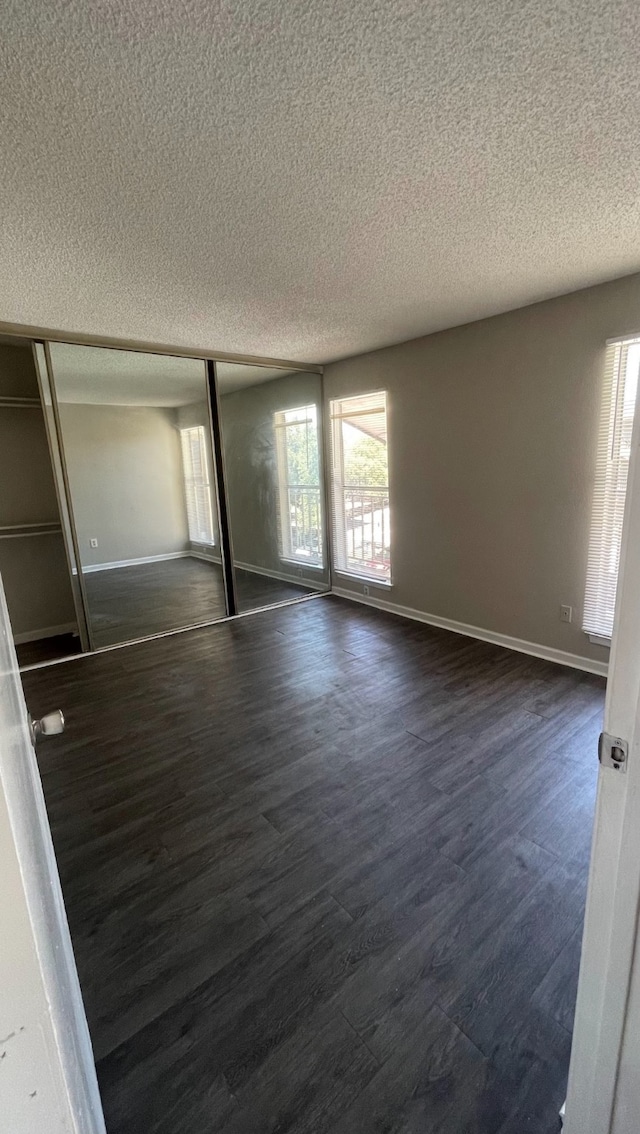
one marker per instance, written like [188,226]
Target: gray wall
[250,464]
[127,485]
[34,568]
[493,430]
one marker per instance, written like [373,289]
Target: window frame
[337,488]
[610,488]
[286,548]
[192,482]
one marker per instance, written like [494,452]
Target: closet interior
[33,560]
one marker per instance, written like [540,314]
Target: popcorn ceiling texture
[309,179]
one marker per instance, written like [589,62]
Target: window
[300,528]
[614,450]
[197,486]
[360,486]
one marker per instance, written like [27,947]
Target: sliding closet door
[271,425]
[136,436]
[61,488]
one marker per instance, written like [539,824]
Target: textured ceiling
[98,376]
[232,376]
[311,178]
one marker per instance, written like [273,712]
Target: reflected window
[197,485]
[300,527]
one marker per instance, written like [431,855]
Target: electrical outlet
[566,614]
[365,590]
[93,543]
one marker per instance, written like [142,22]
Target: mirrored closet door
[135,432]
[271,426]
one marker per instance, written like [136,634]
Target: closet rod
[19,531]
[20,403]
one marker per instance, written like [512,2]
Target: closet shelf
[18,531]
[20,403]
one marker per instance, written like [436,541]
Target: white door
[47,1075]
[604,1079]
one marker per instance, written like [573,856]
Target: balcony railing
[303,537]
[368,530]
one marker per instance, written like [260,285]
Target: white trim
[134,562]
[599,640]
[597,1076]
[632,338]
[301,580]
[302,563]
[215,559]
[368,580]
[549,653]
[46,632]
[71,1069]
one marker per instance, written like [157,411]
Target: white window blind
[197,486]
[300,500]
[612,467]
[360,486]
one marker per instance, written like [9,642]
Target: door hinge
[613,752]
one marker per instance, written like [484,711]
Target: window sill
[368,580]
[302,563]
[599,640]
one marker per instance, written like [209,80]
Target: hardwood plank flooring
[325,872]
[149,598]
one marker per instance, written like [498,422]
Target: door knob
[49,725]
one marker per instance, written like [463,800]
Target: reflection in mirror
[271,430]
[137,445]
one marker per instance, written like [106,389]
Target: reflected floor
[254,591]
[48,649]
[132,602]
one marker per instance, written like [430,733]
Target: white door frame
[613,894]
[49,1077]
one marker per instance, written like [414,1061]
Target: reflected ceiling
[99,376]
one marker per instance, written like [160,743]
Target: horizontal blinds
[196,484]
[360,486]
[367,413]
[612,466]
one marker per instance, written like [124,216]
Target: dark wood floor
[325,872]
[149,598]
[48,649]
[254,591]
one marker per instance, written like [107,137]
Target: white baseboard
[301,580]
[46,632]
[205,558]
[135,562]
[549,653]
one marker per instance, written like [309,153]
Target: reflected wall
[271,424]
